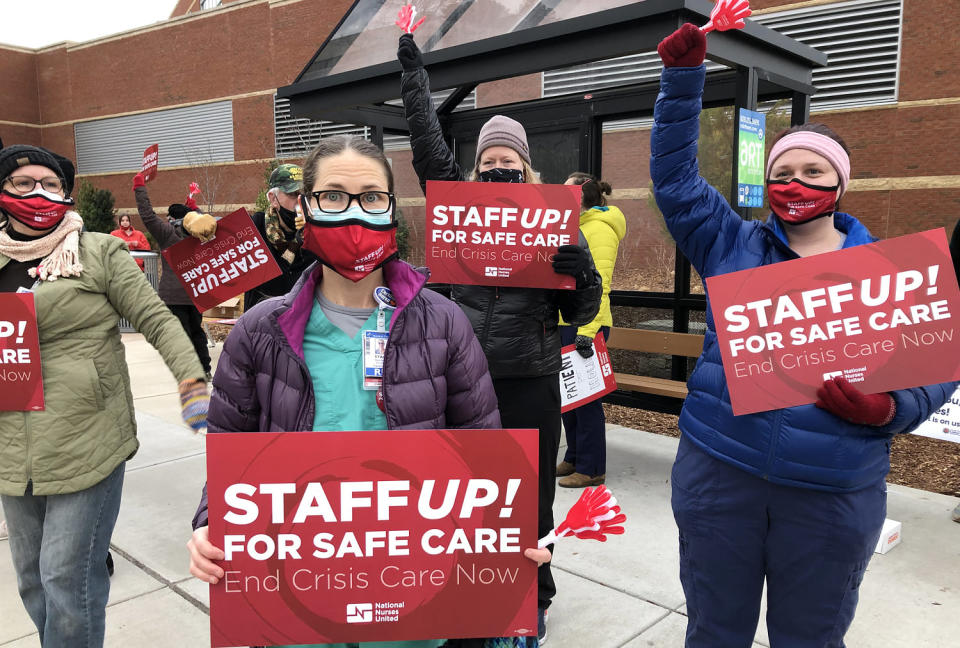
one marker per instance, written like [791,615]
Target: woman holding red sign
[795,497]
[62,467]
[518,327]
[309,360]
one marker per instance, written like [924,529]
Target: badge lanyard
[375,342]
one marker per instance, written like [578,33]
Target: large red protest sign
[21,380]
[372,536]
[234,261]
[583,380]
[880,315]
[151,158]
[500,234]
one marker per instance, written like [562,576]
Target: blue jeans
[736,530]
[59,545]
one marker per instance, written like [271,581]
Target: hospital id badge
[374,346]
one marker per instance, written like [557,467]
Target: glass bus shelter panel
[368,35]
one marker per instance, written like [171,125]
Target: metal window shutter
[861,39]
[192,135]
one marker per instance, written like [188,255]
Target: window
[187,136]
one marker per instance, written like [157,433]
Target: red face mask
[797,202]
[38,210]
[352,250]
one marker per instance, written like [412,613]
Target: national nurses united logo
[359,612]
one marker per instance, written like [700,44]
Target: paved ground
[624,593]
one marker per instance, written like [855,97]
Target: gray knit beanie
[503,131]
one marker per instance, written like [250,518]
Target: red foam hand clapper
[594,516]
[194,188]
[405,18]
[727,14]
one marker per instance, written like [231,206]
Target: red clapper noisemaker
[405,18]
[594,516]
[727,14]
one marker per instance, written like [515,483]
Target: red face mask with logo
[797,202]
[40,210]
[351,248]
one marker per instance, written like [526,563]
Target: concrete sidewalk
[624,593]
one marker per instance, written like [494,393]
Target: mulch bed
[915,461]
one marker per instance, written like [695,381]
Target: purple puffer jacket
[434,374]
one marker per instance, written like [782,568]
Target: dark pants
[535,403]
[192,322]
[736,530]
[586,426]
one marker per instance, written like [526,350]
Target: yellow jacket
[604,228]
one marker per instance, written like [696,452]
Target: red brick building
[212,73]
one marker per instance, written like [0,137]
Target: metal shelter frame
[765,65]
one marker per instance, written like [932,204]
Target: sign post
[750,159]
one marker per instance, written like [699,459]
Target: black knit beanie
[18,155]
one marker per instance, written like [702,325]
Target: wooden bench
[664,394]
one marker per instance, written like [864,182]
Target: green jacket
[604,228]
[88,426]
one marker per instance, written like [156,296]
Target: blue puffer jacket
[798,446]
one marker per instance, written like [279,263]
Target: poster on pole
[151,158]
[500,234]
[385,535]
[583,380]
[943,424]
[231,263]
[881,315]
[21,380]
[750,158]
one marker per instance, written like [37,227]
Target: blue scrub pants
[585,427]
[736,530]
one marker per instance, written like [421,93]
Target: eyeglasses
[24,184]
[337,202]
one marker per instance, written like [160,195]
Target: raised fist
[686,47]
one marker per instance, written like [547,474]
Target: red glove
[191,204]
[686,47]
[839,397]
[138,181]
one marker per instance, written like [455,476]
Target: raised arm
[699,219]
[432,158]
[165,233]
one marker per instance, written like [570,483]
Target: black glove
[573,260]
[584,346]
[409,53]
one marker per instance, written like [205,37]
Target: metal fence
[151,268]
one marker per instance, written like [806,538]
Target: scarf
[280,235]
[58,251]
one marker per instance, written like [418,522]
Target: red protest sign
[387,535]
[232,262]
[500,234]
[21,380]
[585,379]
[880,315]
[151,158]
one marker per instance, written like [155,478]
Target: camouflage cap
[288,178]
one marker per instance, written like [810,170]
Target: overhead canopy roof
[466,42]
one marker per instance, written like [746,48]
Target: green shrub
[95,207]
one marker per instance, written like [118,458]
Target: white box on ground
[889,536]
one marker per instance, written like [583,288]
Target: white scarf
[58,251]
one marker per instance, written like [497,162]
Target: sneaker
[3,529]
[579,480]
[109,563]
[209,378]
[565,468]
[542,625]
[955,515]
